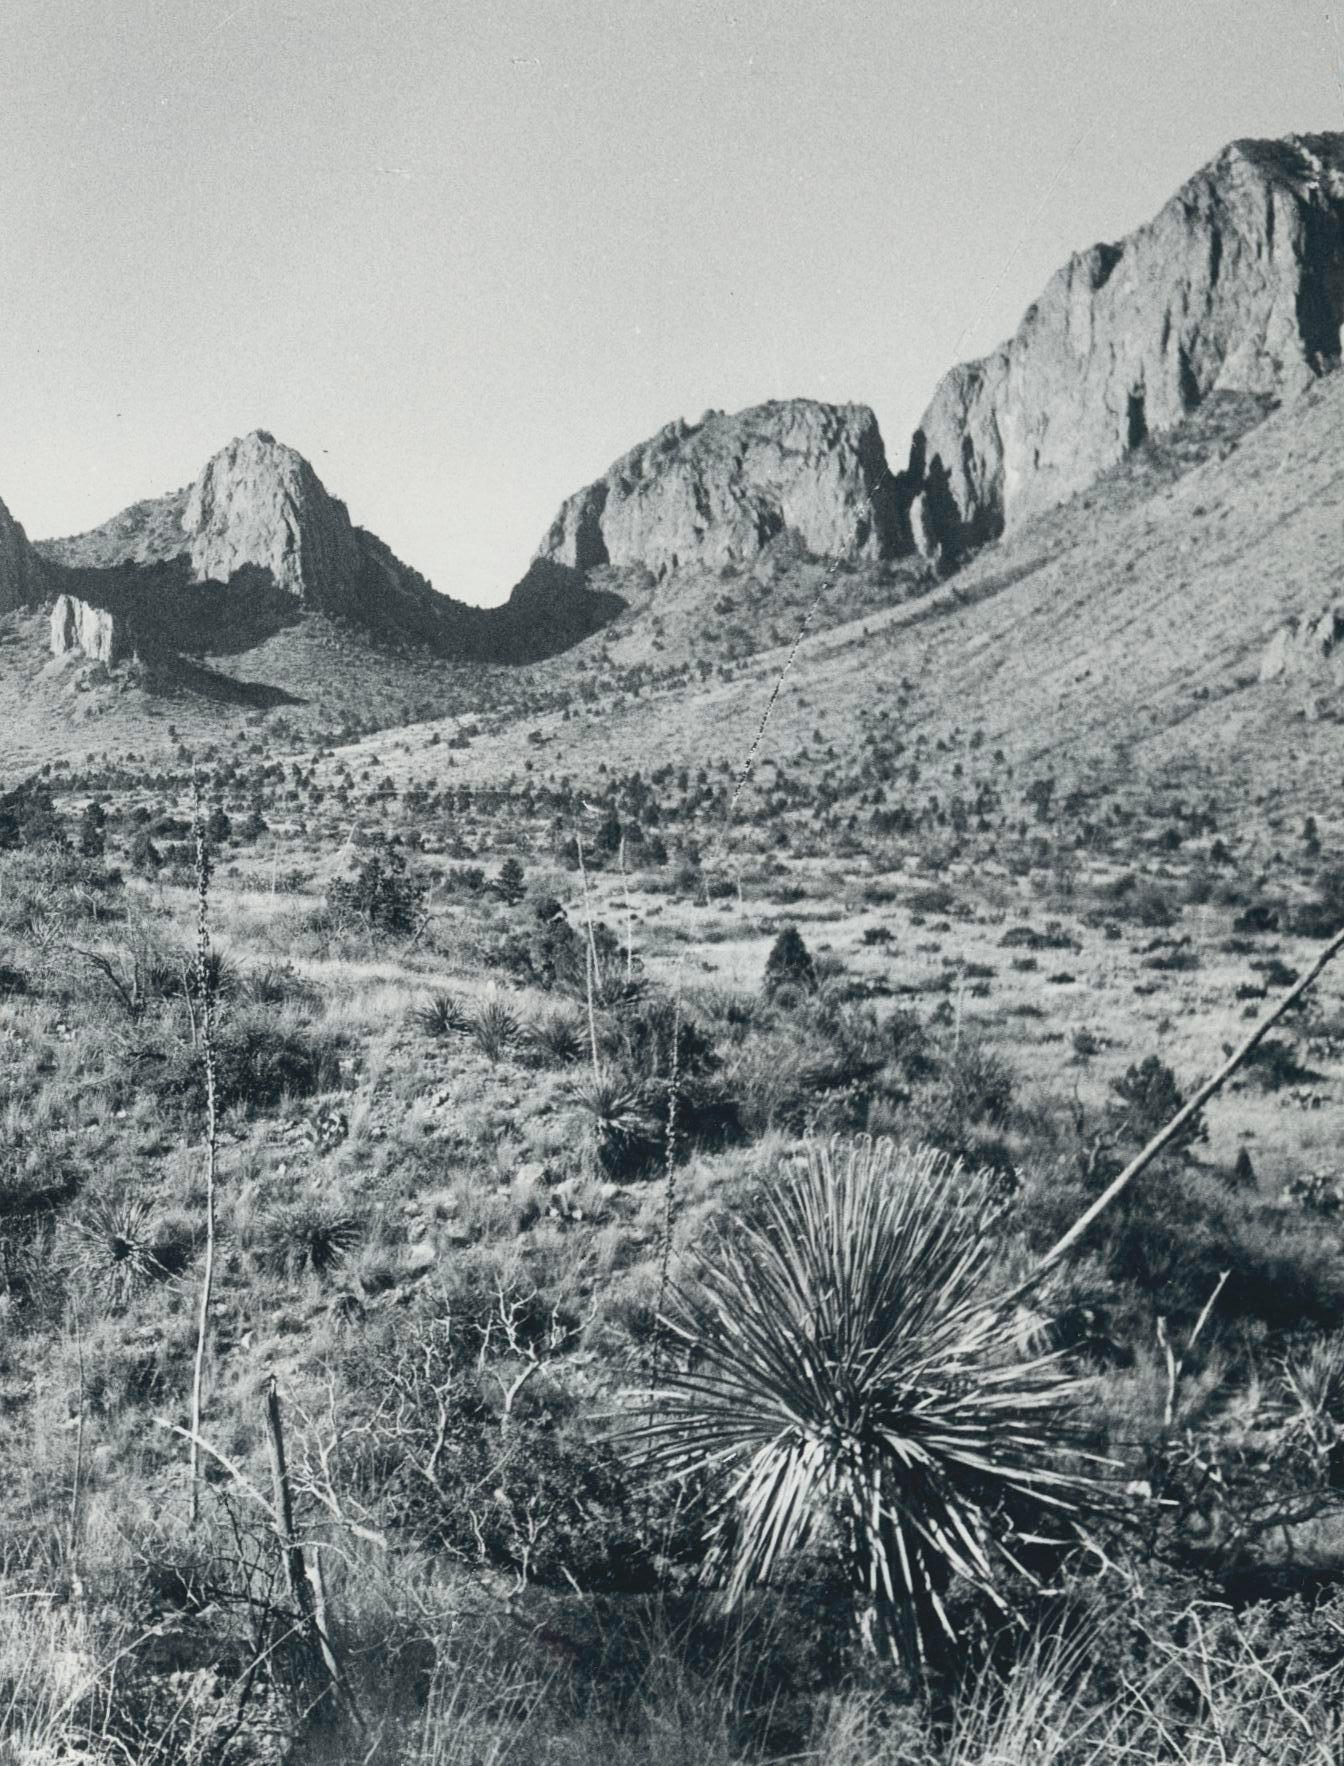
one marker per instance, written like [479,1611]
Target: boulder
[1307,646]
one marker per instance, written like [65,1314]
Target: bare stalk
[669,1204]
[629,920]
[303,1575]
[1163,1139]
[207,1047]
[76,1488]
[590,961]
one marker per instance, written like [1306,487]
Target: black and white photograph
[671,883]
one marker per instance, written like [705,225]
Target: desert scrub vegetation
[444,1214]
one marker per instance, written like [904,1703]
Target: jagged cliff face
[1237,285]
[714,493]
[20,566]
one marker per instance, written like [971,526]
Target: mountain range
[1230,301]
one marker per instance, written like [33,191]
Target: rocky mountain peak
[258,502]
[714,493]
[1237,285]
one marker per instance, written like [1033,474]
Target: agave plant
[847,1376]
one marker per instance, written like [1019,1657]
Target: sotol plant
[848,1376]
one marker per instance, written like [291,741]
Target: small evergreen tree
[789,964]
[92,839]
[382,892]
[144,856]
[511,884]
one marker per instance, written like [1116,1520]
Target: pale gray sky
[463,254]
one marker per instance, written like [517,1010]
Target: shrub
[1147,1098]
[278,984]
[259,1059]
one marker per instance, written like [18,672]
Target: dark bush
[789,965]
[382,894]
[259,1059]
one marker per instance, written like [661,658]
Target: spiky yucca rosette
[847,1372]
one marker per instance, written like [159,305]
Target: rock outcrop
[1236,285]
[20,567]
[101,635]
[714,493]
[257,542]
[1310,646]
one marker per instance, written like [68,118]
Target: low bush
[261,1057]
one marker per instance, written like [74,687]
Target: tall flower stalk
[206,1046]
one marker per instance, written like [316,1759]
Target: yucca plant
[1314,1386]
[557,1038]
[311,1232]
[112,1246]
[441,1014]
[494,1027]
[842,1372]
[613,1113]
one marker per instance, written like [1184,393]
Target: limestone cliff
[102,636]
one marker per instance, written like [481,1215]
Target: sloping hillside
[1116,638]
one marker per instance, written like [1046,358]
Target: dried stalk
[590,962]
[1163,1139]
[207,1047]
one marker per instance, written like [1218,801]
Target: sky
[463,253]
